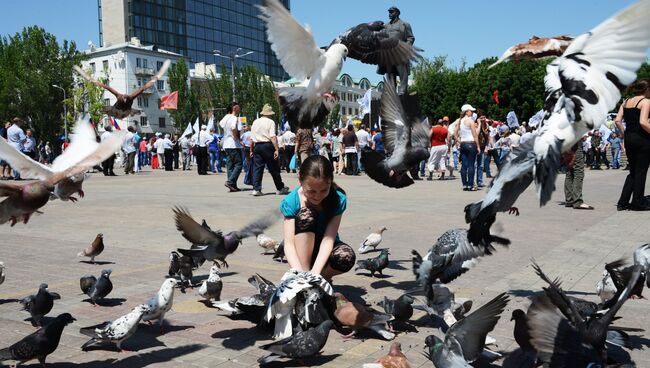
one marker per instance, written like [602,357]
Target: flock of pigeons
[582,84]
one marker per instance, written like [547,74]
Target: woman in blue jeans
[467,135]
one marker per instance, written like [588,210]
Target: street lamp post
[232,56]
[65,114]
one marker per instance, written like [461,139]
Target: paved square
[134,214]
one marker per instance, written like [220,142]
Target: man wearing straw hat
[265,152]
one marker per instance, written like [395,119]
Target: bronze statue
[402,30]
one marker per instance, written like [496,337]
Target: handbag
[293,162]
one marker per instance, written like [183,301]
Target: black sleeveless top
[632,115]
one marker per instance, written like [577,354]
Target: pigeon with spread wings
[406,140]
[536,48]
[123,106]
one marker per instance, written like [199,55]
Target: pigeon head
[142,308]
[231,241]
[214,270]
[43,286]
[518,315]
[406,298]
[107,273]
[434,344]
[326,325]
[100,235]
[395,348]
[338,50]
[65,318]
[170,283]
[340,299]
[375,26]
[381,231]
[174,256]
[384,252]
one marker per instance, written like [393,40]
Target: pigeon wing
[7,190]
[152,81]
[293,44]
[96,82]
[29,347]
[27,167]
[192,230]
[259,225]
[470,332]
[83,142]
[393,118]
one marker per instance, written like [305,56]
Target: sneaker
[283,191]
[256,193]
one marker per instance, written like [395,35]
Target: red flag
[169,102]
[495,96]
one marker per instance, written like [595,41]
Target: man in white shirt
[168,146]
[289,140]
[107,165]
[186,151]
[202,141]
[16,138]
[364,139]
[128,147]
[232,146]
[265,152]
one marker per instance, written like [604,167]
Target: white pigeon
[211,288]
[605,288]
[2,273]
[161,303]
[116,331]
[309,103]
[267,243]
[585,83]
[371,241]
[83,142]
[281,306]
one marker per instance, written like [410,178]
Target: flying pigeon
[394,359]
[96,289]
[160,303]
[302,344]
[83,145]
[642,257]
[370,43]
[23,200]
[309,103]
[401,309]
[39,344]
[465,340]
[585,83]
[40,304]
[407,142]
[96,248]
[536,48]
[281,306]
[355,317]
[123,106]
[255,304]
[211,288]
[213,245]
[267,243]
[2,273]
[372,241]
[376,264]
[116,331]
[451,256]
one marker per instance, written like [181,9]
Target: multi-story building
[128,66]
[193,28]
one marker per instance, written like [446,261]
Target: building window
[107,102]
[138,63]
[161,122]
[144,63]
[105,64]
[160,85]
[143,121]
[143,101]
[159,65]
[92,67]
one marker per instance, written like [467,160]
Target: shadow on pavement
[135,361]
[314,361]
[240,338]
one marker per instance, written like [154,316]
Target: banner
[169,102]
[364,103]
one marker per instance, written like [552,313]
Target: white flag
[188,130]
[196,128]
[211,123]
[364,103]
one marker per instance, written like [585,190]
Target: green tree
[178,81]
[32,61]
[87,98]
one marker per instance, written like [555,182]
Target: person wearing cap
[401,30]
[467,138]
[202,141]
[265,151]
[168,146]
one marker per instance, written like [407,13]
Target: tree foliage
[178,81]
[32,61]
[87,97]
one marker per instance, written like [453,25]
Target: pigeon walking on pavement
[96,248]
[377,264]
[116,331]
[268,244]
[39,344]
[211,288]
[97,289]
[465,340]
[372,241]
[356,317]
[161,303]
[213,245]
[401,309]
[394,359]
[40,304]
[302,344]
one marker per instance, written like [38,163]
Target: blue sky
[469,30]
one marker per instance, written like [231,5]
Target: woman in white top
[467,138]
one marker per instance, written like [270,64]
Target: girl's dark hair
[229,107]
[319,167]
[640,86]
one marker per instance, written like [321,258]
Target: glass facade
[194,28]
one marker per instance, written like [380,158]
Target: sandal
[583,206]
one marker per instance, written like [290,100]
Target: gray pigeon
[211,288]
[465,340]
[96,289]
[302,344]
[213,245]
[376,264]
[2,273]
[116,331]
[39,344]
[40,304]
[255,305]
[401,309]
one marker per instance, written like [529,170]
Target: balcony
[147,91]
[144,71]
